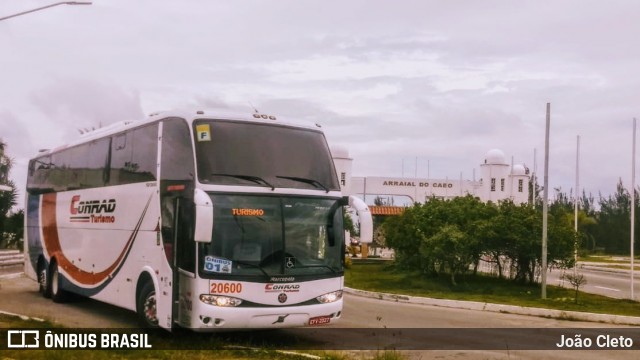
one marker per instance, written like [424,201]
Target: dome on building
[519,169]
[340,152]
[495,157]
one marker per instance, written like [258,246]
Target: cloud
[73,104]
[15,135]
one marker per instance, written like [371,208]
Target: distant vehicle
[205,220]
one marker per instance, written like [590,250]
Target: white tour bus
[204,220]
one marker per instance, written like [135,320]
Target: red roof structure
[386,210]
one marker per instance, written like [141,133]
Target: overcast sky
[442,82]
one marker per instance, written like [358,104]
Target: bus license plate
[319,320]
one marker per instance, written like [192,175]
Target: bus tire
[44,285]
[58,294]
[147,306]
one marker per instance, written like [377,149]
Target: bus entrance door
[176,294]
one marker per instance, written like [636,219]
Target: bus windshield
[267,235]
[250,154]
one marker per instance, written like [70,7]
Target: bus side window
[177,155]
[59,170]
[120,155]
[38,181]
[94,170]
[75,166]
[143,165]
[133,156]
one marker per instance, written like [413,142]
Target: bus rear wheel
[147,306]
[43,280]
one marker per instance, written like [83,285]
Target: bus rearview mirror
[204,216]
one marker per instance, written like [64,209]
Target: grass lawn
[387,278]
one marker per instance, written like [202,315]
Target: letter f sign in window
[204,132]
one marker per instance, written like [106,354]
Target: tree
[440,236]
[381,201]
[452,248]
[404,234]
[505,235]
[448,236]
[14,230]
[519,227]
[613,231]
[562,237]
[535,189]
[576,281]
[7,198]
[348,222]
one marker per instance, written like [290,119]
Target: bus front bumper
[211,318]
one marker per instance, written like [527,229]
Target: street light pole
[46,7]
[633,203]
[576,206]
[545,201]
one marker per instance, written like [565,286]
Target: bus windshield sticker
[217,265]
[247,212]
[204,132]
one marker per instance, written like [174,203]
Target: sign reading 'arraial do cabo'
[498,180]
[415,183]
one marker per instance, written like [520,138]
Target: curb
[7,263]
[11,276]
[500,308]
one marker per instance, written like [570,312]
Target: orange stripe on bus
[52,244]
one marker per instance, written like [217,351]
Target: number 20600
[226,288]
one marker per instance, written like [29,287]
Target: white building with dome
[499,180]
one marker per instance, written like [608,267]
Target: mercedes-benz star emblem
[282,298]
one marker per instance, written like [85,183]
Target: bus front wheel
[58,294]
[147,306]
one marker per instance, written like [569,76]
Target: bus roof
[189,116]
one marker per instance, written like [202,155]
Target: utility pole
[545,200]
[575,208]
[534,180]
[633,202]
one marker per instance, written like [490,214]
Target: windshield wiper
[255,179]
[252,266]
[317,266]
[313,182]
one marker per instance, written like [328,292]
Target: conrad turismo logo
[92,211]
[282,288]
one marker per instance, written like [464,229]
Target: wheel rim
[149,308]
[42,279]
[54,282]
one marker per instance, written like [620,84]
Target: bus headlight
[330,297]
[219,300]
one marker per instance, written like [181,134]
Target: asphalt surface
[601,280]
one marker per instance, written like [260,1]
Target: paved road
[359,313]
[20,295]
[601,281]
[615,283]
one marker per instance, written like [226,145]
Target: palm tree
[7,198]
[4,164]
